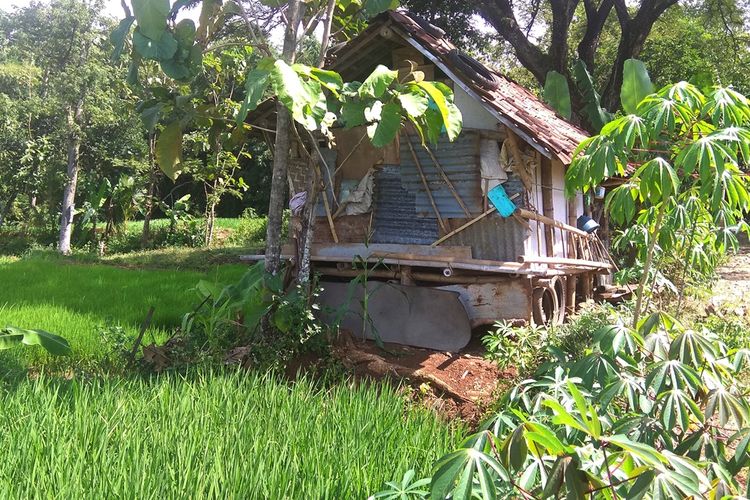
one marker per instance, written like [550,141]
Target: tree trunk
[210,219]
[315,184]
[69,194]
[308,220]
[154,177]
[281,150]
[634,32]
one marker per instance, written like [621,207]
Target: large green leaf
[455,472]
[378,82]
[256,84]
[385,130]
[727,406]
[300,97]
[151,16]
[414,102]
[451,116]
[676,408]
[557,94]
[636,85]
[184,32]
[169,149]
[592,109]
[161,49]
[118,36]
[54,344]
[372,8]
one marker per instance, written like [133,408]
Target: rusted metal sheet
[349,229]
[492,238]
[411,315]
[460,162]
[508,299]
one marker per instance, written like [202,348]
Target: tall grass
[210,435]
[76,301]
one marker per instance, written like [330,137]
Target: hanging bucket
[586,223]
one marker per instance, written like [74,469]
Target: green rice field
[223,433]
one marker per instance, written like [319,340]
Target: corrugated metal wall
[403,213]
[460,162]
[493,238]
[395,219]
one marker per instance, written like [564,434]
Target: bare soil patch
[457,385]
[731,292]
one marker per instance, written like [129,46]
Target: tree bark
[69,194]
[634,32]
[154,177]
[500,14]
[281,150]
[595,19]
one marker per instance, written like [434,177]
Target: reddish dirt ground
[458,385]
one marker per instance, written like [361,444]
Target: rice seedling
[209,435]
[77,301]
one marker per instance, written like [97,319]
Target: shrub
[657,411]
[250,230]
[528,347]
[231,315]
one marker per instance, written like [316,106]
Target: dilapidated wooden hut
[422,216]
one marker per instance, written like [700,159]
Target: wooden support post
[407,278]
[570,292]
[418,164]
[587,286]
[572,221]
[331,225]
[548,206]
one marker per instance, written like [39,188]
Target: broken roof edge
[530,118]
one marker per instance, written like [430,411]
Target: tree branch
[500,15]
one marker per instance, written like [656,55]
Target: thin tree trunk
[154,176]
[69,194]
[210,216]
[308,222]
[308,218]
[647,266]
[281,156]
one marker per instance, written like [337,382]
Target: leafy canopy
[318,99]
[657,411]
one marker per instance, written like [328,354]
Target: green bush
[250,230]
[658,411]
[528,347]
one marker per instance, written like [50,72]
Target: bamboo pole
[458,230]
[331,225]
[445,177]
[526,214]
[559,261]
[426,186]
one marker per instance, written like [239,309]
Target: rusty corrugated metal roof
[519,109]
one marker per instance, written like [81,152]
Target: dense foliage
[655,411]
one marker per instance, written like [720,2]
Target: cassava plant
[680,153]
[657,412]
